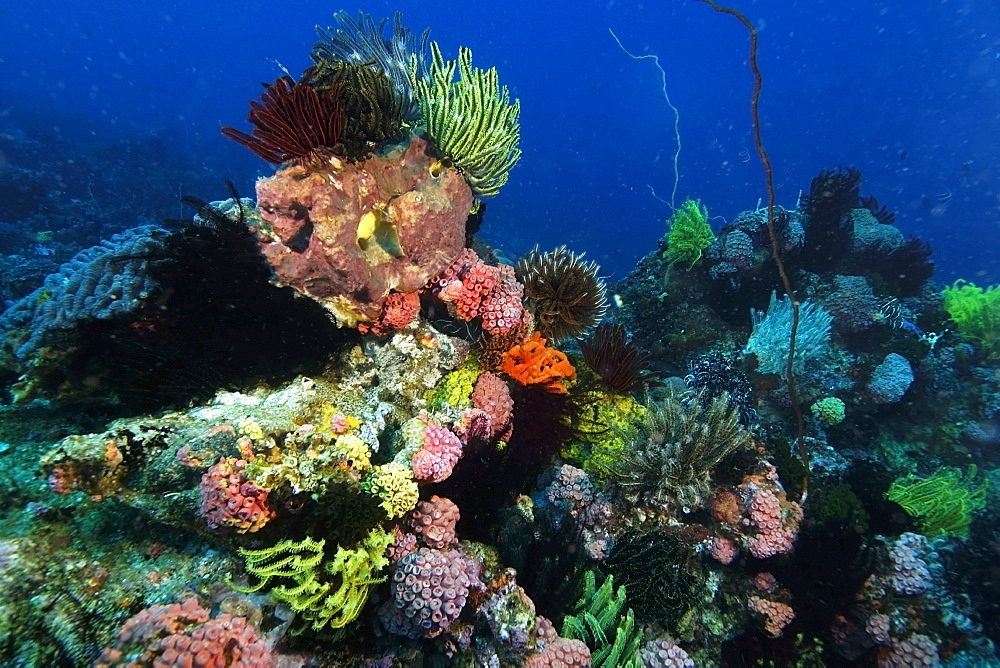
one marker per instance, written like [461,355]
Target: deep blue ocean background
[907,92]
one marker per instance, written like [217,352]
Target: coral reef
[202,467]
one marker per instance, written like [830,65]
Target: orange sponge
[534,363]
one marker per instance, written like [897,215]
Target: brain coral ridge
[348,235]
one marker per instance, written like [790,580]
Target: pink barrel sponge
[184,634]
[438,456]
[348,235]
[230,500]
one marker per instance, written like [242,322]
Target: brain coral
[891,379]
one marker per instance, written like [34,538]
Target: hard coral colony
[444,487]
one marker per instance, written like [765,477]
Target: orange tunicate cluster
[185,634]
[777,615]
[534,363]
[230,500]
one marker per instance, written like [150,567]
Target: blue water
[908,95]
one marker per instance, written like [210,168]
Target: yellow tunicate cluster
[354,451]
[251,430]
[393,483]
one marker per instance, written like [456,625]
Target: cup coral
[393,483]
[429,590]
[185,634]
[230,500]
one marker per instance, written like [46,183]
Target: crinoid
[832,194]
[677,447]
[661,573]
[361,41]
[293,121]
[905,269]
[372,105]
[566,295]
[880,211]
[621,365]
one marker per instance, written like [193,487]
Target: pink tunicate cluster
[909,574]
[429,588]
[879,628]
[492,396]
[777,615]
[915,651]
[724,550]
[438,456]
[772,536]
[479,290]
[230,500]
[403,543]
[561,653]
[664,653]
[398,311]
[434,522]
[571,490]
[765,581]
[184,634]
